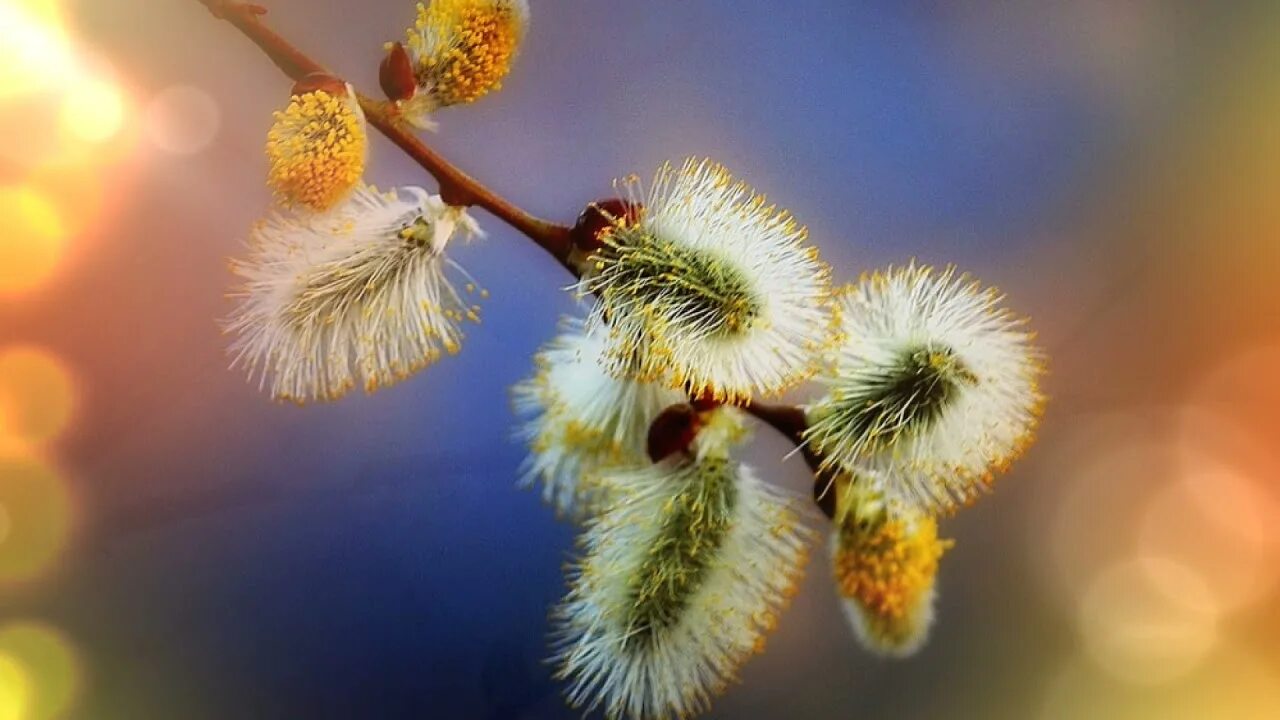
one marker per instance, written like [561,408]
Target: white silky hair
[749,579]
[581,420]
[348,296]
[701,208]
[983,426]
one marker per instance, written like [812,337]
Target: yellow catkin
[316,150]
[888,566]
[482,39]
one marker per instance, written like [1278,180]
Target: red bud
[673,431]
[395,74]
[599,218]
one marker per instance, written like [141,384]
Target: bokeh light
[1179,524]
[36,397]
[1229,685]
[49,666]
[14,690]
[93,110]
[34,52]
[1148,620]
[76,188]
[1229,429]
[1244,387]
[38,506]
[67,121]
[1100,475]
[182,120]
[32,242]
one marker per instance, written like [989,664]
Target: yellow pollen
[482,39]
[886,566]
[316,150]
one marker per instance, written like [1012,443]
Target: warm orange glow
[1228,685]
[1177,525]
[93,110]
[36,396]
[35,53]
[1245,388]
[32,241]
[33,118]
[182,120]
[76,189]
[38,511]
[14,690]
[1148,620]
[1230,429]
[1101,475]
[49,665]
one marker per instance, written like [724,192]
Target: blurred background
[173,545]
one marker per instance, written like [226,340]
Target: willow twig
[456,187]
[790,421]
[460,189]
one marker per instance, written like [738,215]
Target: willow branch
[456,187]
[791,423]
[460,189]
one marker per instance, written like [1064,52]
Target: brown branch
[456,187]
[791,423]
[460,189]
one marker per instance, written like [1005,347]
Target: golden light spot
[36,395]
[1229,685]
[38,508]
[1232,421]
[48,663]
[1180,525]
[182,120]
[316,150]
[32,241]
[1148,620]
[75,187]
[34,53]
[15,690]
[93,110]
[1100,473]
[1214,442]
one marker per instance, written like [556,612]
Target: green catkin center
[695,522]
[907,395]
[681,285]
[417,234]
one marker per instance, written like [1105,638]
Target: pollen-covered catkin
[460,51]
[886,569]
[316,150]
